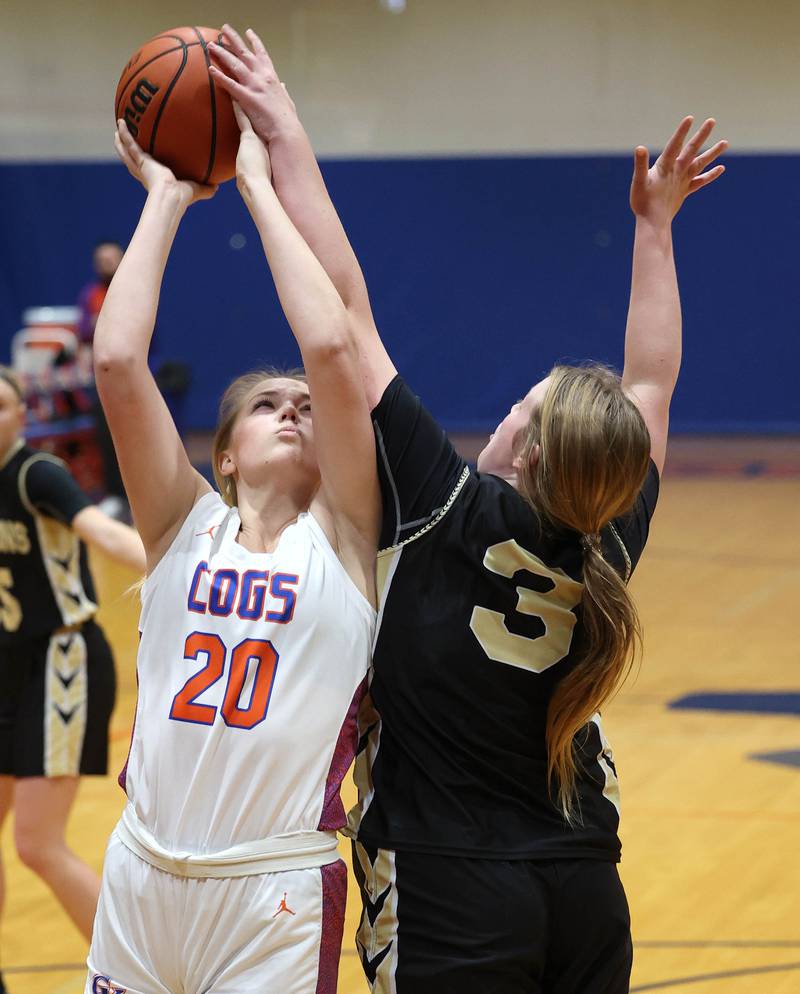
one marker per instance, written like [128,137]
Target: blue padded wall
[482,273]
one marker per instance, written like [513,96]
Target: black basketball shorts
[451,925]
[56,698]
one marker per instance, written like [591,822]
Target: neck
[265,513]
[11,451]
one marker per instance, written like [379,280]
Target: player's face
[12,417]
[274,429]
[498,455]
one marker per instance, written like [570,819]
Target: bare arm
[248,74]
[161,484]
[343,433]
[653,332]
[115,539]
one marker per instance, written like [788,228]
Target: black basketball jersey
[479,619]
[45,582]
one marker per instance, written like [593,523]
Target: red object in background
[59,399]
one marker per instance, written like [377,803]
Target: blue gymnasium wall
[482,273]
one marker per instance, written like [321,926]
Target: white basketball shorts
[271,933]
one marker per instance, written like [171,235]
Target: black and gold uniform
[57,681]
[469,873]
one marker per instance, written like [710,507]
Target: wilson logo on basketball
[139,102]
[104,985]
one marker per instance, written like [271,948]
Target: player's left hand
[246,72]
[151,173]
[252,160]
[658,191]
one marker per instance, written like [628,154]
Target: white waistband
[296,851]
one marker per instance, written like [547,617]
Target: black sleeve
[417,465]
[47,485]
[633,528]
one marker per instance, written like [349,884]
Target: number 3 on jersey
[554,608]
[257,652]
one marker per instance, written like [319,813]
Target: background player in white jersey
[256,625]
[489,804]
[57,677]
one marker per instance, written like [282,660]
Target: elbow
[337,345]
[113,363]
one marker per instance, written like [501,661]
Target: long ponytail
[593,452]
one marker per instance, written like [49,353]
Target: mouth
[287,430]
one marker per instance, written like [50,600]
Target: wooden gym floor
[711,788]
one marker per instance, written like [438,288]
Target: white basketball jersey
[250,669]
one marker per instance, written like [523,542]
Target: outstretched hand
[252,159]
[658,191]
[248,75]
[151,173]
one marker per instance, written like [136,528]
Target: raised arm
[247,73]
[653,332]
[160,482]
[343,435]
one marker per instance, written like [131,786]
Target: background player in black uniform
[487,824]
[56,669]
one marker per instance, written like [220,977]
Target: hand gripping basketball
[249,77]
[151,173]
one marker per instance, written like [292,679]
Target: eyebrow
[270,394]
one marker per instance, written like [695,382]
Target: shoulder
[42,476]
[203,524]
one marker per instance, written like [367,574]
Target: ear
[226,464]
[533,459]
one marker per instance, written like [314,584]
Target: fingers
[127,147]
[641,164]
[258,47]
[237,44]
[119,148]
[705,160]
[241,118]
[697,141]
[289,97]
[233,65]
[675,144]
[230,85]
[700,181]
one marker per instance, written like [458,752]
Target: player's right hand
[246,72]
[151,173]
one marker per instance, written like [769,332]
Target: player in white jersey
[257,616]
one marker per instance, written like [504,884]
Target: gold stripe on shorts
[65,705]
[377,942]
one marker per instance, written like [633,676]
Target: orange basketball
[175,111]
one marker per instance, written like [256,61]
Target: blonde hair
[230,407]
[10,377]
[594,451]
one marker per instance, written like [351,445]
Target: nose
[289,412]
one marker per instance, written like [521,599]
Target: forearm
[116,540]
[312,306]
[126,322]
[653,332]
[304,196]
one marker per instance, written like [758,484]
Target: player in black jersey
[56,669]
[486,833]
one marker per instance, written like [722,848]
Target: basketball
[175,111]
